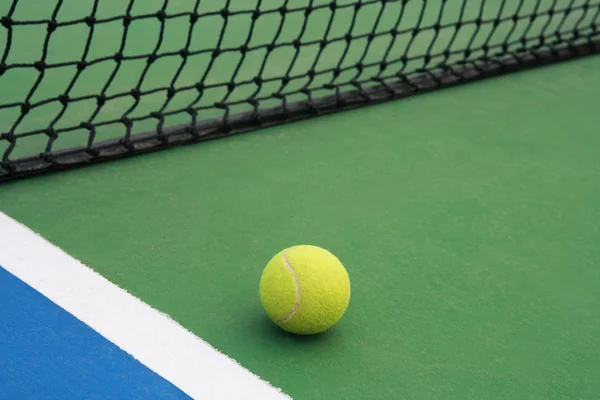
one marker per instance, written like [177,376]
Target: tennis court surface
[468,218]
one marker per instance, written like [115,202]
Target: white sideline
[150,336]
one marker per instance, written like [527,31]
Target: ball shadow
[267,329]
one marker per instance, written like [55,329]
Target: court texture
[448,152]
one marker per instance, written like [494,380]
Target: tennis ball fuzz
[305,289]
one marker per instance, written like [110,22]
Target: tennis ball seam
[297,303]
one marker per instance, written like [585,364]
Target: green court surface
[468,220]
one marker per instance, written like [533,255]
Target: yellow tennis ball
[305,289]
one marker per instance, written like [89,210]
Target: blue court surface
[47,353]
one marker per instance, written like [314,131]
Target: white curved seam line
[288,266]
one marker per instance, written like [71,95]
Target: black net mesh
[89,80]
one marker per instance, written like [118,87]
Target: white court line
[150,336]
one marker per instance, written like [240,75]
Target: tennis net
[83,81]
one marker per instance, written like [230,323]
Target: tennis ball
[305,289]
